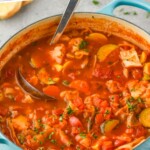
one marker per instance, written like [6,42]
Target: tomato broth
[101,83]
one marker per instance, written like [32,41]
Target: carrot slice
[80,85]
[52,90]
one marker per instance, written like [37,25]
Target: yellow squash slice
[101,38]
[145,117]
[105,50]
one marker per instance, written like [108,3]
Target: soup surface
[102,87]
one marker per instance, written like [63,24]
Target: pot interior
[95,22]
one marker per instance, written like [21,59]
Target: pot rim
[58,15]
[53,16]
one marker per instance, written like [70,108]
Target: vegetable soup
[101,83]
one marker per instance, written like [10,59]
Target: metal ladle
[22,82]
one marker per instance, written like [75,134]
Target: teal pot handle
[108,9]
[5,144]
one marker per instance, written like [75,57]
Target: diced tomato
[114,98]
[80,85]
[96,101]
[57,112]
[3,111]
[34,80]
[104,104]
[19,97]
[74,131]
[78,103]
[72,76]
[118,142]
[6,84]
[137,74]
[99,119]
[63,124]
[107,145]
[75,122]
[102,73]
[129,130]
[64,138]
[9,73]
[140,131]
[52,90]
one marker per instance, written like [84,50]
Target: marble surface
[40,9]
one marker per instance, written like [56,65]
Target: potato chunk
[20,123]
[130,58]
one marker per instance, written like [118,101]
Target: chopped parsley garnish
[34,138]
[69,110]
[36,130]
[21,138]
[65,82]
[140,100]
[107,112]
[39,120]
[77,148]
[41,142]
[134,13]
[131,106]
[126,13]
[83,44]
[95,2]
[95,136]
[82,135]
[42,133]
[53,141]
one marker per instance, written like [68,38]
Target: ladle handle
[64,20]
[108,9]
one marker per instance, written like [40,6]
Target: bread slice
[8,9]
[26,2]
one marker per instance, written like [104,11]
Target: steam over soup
[102,87]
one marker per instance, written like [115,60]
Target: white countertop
[40,9]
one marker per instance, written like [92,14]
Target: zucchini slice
[145,117]
[109,125]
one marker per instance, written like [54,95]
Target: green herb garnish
[69,110]
[107,112]
[95,2]
[82,135]
[126,13]
[83,44]
[65,82]
[53,141]
[95,136]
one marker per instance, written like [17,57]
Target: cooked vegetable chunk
[130,58]
[105,50]
[145,117]
[109,125]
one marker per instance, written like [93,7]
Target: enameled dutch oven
[102,21]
